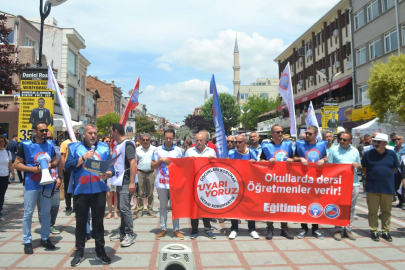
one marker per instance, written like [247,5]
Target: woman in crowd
[113,190]
[5,168]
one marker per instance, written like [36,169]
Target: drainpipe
[353,52]
[398,29]
[16,23]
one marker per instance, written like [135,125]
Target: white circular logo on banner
[217,188]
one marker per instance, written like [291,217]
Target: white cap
[381,137]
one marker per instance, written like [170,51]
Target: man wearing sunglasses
[230,142]
[146,176]
[311,151]
[28,158]
[400,151]
[345,153]
[278,150]
[380,164]
[242,152]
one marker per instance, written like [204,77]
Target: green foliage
[229,110]
[256,106]
[104,123]
[184,132]
[387,88]
[197,123]
[71,102]
[144,125]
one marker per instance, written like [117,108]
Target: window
[244,96]
[403,34]
[387,4]
[359,19]
[361,56]
[362,93]
[71,97]
[71,62]
[372,11]
[29,42]
[264,95]
[391,41]
[375,49]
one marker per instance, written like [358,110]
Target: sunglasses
[145,140]
[230,141]
[309,133]
[43,130]
[341,139]
[238,142]
[377,142]
[107,141]
[278,132]
[394,140]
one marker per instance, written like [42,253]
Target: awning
[59,123]
[267,113]
[318,92]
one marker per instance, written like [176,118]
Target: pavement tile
[9,259]
[348,256]
[319,267]
[386,254]
[137,247]
[7,236]
[306,257]
[255,245]
[272,268]
[131,260]
[367,242]
[263,258]
[41,260]
[329,243]
[211,247]
[397,265]
[292,245]
[220,259]
[371,266]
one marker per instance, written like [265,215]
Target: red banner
[239,189]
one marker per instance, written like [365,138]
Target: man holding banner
[311,151]
[275,151]
[244,153]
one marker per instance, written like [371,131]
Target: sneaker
[337,236]
[128,240]
[102,256]
[302,234]
[161,234]
[68,212]
[193,235]
[269,234]
[151,213]
[210,235]
[349,234]
[287,234]
[232,235]
[254,235]
[375,237]
[318,235]
[117,237]
[47,244]
[386,237]
[179,235]
[53,230]
[28,248]
[77,259]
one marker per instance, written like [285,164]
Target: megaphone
[46,178]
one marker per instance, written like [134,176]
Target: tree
[144,125]
[8,65]
[230,111]
[387,88]
[184,132]
[197,123]
[257,106]
[105,122]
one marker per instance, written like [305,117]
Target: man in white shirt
[201,150]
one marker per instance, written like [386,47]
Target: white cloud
[164,66]
[177,100]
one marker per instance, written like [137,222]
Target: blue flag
[222,147]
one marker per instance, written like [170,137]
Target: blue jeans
[30,200]
[164,200]
[55,203]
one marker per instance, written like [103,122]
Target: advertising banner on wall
[36,102]
[330,116]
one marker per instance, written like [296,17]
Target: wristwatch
[83,159]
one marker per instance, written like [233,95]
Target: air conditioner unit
[309,53]
[323,71]
[349,65]
[335,33]
[301,51]
[300,82]
[310,78]
[300,60]
[337,65]
[349,57]
[299,86]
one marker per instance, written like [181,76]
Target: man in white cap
[380,165]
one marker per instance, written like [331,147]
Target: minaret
[206,95]
[236,68]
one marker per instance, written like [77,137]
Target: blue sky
[176,46]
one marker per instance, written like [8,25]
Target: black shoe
[47,244]
[399,205]
[28,249]
[102,256]
[374,237]
[387,237]
[287,234]
[77,259]
[269,234]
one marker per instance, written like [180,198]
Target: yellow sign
[330,117]
[36,103]
[364,113]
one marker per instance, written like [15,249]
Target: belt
[145,171]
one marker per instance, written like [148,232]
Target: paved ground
[241,253]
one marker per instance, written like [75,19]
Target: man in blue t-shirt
[380,165]
[242,152]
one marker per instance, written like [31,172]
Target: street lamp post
[44,12]
[244,125]
[227,120]
[329,81]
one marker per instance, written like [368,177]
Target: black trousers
[398,180]
[194,224]
[3,189]
[235,225]
[96,202]
[304,226]
[283,225]
[68,196]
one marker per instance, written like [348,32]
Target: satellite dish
[55,3]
